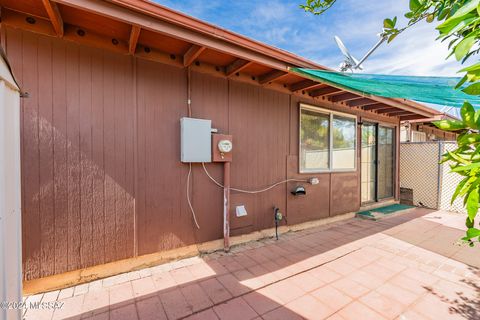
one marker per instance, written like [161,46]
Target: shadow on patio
[356,269]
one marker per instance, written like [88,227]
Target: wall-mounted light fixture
[299,191]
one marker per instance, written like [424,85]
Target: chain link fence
[423,180]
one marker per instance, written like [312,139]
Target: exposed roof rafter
[271,76]
[304,84]
[360,102]
[236,66]
[344,97]
[55,17]
[375,106]
[388,109]
[132,43]
[193,52]
[398,113]
[412,117]
[323,91]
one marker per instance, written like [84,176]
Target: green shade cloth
[436,90]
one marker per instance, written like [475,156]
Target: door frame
[378,124]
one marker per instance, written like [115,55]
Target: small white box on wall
[240,211]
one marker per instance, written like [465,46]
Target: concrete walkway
[406,266]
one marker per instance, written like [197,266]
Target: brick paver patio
[403,267]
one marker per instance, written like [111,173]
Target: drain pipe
[226,206]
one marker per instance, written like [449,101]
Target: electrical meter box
[195,140]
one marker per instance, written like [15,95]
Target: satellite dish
[350,63]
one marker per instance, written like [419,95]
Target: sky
[282,24]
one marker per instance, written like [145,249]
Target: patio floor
[403,267]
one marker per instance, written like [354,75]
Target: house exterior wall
[425,133]
[101,173]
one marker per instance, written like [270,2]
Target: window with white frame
[327,140]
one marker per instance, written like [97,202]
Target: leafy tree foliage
[459,24]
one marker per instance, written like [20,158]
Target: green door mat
[382,211]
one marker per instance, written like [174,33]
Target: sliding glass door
[369,162]
[377,162]
[386,162]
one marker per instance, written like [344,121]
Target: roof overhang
[150,31]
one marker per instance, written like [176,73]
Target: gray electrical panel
[195,140]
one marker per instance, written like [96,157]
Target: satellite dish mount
[352,64]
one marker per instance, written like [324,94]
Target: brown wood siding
[101,175]
[77,154]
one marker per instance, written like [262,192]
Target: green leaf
[473,89]
[469,223]
[450,24]
[472,204]
[468,114]
[450,125]
[466,8]
[472,233]
[414,5]
[457,158]
[461,82]
[393,36]
[470,139]
[473,67]
[388,24]
[463,47]
[458,189]
[467,167]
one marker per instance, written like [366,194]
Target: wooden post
[226,206]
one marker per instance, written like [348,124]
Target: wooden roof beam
[55,17]
[236,66]
[411,117]
[399,113]
[302,85]
[324,91]
[132,43]
[374,106]
[192,54]
[360,102]
[344,97]
[271,76]
[388,110]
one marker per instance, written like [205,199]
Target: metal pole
[226,206]
[379,43]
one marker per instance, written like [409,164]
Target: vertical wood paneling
[259,122]
[119,156]
[206,196]
[109,158]
[86,164]
[98,215]
[31,155]
[46,195]
[73,156]
[60,156]
[77,164]
[163,220]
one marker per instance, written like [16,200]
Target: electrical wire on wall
[252,191]
[189,107]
